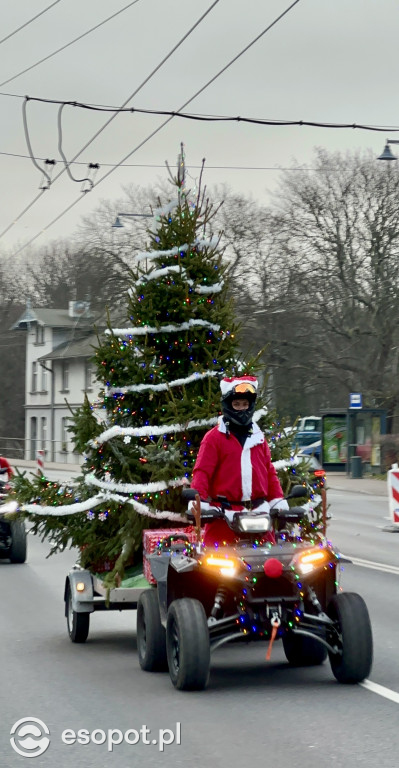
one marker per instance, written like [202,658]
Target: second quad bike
[272,584]
[12,532]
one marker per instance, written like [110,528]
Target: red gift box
[153,536]
[147,571]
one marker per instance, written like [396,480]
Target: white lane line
[380,690]
[373,565]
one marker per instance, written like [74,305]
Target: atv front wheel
[187,645]
[17,550]
[303,651]
[353,661]
[151,635]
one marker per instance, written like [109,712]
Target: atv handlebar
[293,515]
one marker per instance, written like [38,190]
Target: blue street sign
[355,400]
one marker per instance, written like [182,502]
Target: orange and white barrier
[40,463]
[393,493]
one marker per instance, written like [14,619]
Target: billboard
[335,440]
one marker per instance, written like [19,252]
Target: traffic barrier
[40,463]
[393,493]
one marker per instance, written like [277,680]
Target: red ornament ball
[273,568]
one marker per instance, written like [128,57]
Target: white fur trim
[255,438]
[246,472]
[227,385]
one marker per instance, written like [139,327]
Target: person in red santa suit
[5,468]
[234,461]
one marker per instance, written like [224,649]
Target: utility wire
[29,22]
[145,81]
[67,45]
[192,167]
[165,122]
[214,118]
[22,213]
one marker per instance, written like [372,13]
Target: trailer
[85,593]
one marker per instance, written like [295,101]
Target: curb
[356,490]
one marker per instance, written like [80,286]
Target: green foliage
[180,325]
[172,290]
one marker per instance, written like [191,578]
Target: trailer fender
[82,599]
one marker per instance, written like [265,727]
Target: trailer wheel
[355,641]
[187,645]
[151,635]
[302,651]
[17,550]
[78,623]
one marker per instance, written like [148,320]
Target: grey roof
[55,318]
[82,347]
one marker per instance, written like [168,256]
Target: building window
[39,334]
[33,438]
[64,434]
[44,379]
[65,375]
[43,433]
[34,377]
[88,375]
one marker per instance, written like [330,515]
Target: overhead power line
[67,45]
[29,22]
[192,167]
[214,118]
[165,122]
[145,81]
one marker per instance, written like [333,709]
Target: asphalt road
[253,710]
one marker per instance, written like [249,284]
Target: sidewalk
[339,481]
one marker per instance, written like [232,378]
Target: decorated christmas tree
[160,376]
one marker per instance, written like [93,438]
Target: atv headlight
[308,561]
[253,524]
[226,565]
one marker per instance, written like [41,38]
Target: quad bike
[254,590]
[12,532]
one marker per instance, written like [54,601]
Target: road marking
[373,565]
[380,690]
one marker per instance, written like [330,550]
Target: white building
[59,372]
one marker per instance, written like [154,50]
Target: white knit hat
[230,385]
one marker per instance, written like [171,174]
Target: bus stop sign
[355,400]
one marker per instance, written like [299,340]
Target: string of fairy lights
[144,496]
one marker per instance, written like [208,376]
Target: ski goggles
[244,389]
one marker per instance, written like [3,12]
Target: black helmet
[244,387]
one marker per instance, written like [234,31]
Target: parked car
[319,475]
[309,442]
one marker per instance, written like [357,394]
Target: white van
[309,424]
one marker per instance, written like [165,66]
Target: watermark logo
[30,737]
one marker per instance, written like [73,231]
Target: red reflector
[273,568]
[319,473]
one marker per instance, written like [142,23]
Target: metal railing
[17,449]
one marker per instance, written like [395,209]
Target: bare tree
[12,353]
[338,230]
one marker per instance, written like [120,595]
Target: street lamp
[387,153]
[118,224]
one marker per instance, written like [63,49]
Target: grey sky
[327,60]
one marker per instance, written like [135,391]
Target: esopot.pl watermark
[30,737]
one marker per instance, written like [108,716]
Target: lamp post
[387,153]
[118,224]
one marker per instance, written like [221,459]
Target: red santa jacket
[5,464]
[224,468]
